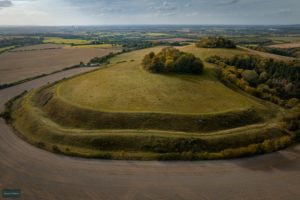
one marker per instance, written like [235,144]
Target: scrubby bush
[250,90]
[215,42]
[100,60]
[263,77]
[6,115]
[292,102]
[232,78]
[213,59]
[292,120]
[40,145]
[241,83]
[250,76]
[55,149]
[171,60]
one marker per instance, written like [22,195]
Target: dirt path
[42,175]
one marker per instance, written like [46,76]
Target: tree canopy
[267,78]
[171,60]
[215,42]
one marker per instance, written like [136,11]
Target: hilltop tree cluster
[171,60]
[215,42]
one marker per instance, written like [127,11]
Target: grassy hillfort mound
[123,111]
[137,90]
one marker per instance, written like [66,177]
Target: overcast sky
[99,12]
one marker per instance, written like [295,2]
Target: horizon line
[89,25]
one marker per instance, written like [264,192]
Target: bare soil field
[24,63]
[286,45]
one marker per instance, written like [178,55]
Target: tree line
[18,42]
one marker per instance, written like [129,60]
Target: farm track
[43,175]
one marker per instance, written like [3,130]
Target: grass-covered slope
[87,118]
[125,112]
[124,86]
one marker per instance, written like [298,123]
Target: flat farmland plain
[23,63]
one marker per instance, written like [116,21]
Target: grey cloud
[234,2]
[167,6]
[5,3]
[165,9]
[10,3]
[227,2]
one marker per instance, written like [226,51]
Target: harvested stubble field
[27,62]
[287,45]
[282,39]
[38,47]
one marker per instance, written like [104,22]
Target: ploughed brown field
[22,63]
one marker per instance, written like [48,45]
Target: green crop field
[122,111]
[57,40]
[157,34]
